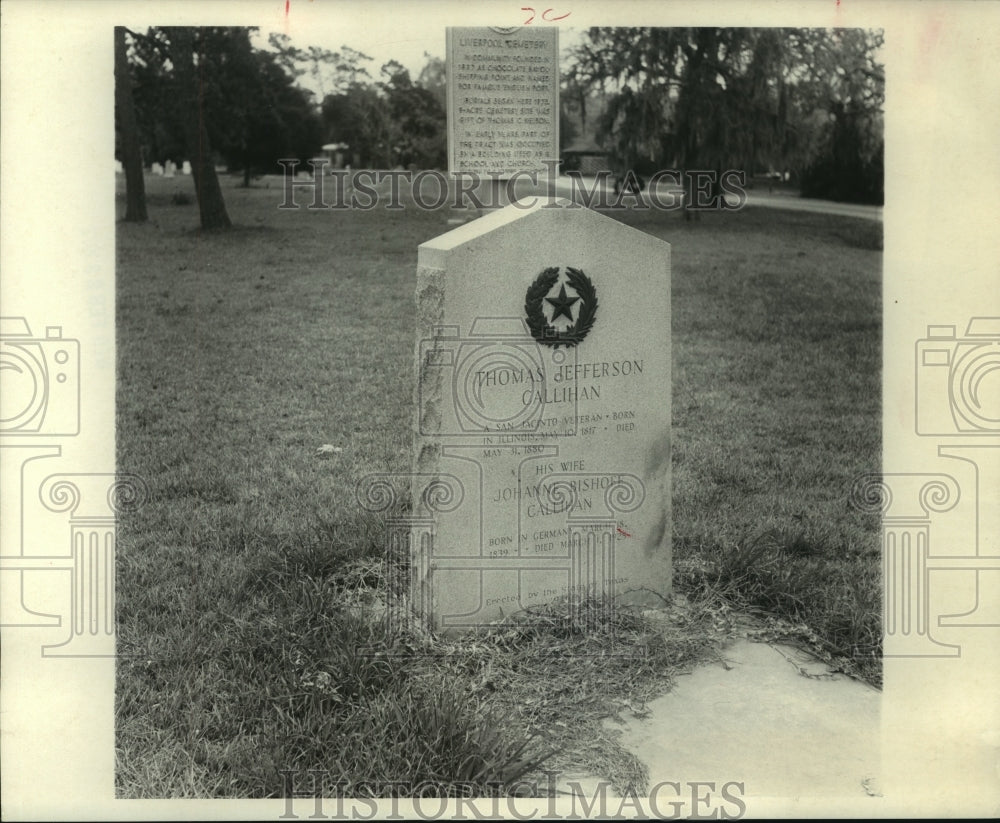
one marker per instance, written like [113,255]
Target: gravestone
[542,431]
[186,167]
[157,169]
[503,99]
[169,168]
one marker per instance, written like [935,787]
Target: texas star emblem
[560,317]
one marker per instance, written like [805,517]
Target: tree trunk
[135,186]
[211,204]
[246,164]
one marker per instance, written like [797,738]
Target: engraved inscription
[502,100]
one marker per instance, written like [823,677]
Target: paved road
[667,194]
[755,198]
[784,201]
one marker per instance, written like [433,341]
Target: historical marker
[542,420]
[503,99]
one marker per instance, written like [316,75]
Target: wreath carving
[543,331]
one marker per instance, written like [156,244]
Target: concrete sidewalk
[771,726]
[767,717]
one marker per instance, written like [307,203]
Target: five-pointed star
[562,304]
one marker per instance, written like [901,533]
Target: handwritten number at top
[546,15]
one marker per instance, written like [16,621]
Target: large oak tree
[732,98]
[190,99]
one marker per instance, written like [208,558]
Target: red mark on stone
[622,532]
[288,3]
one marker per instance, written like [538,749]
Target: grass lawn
[246,585]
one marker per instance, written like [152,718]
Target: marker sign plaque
[503,100]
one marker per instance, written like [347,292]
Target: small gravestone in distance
[542,446]
[186,167]
[169,168]
[503,100]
